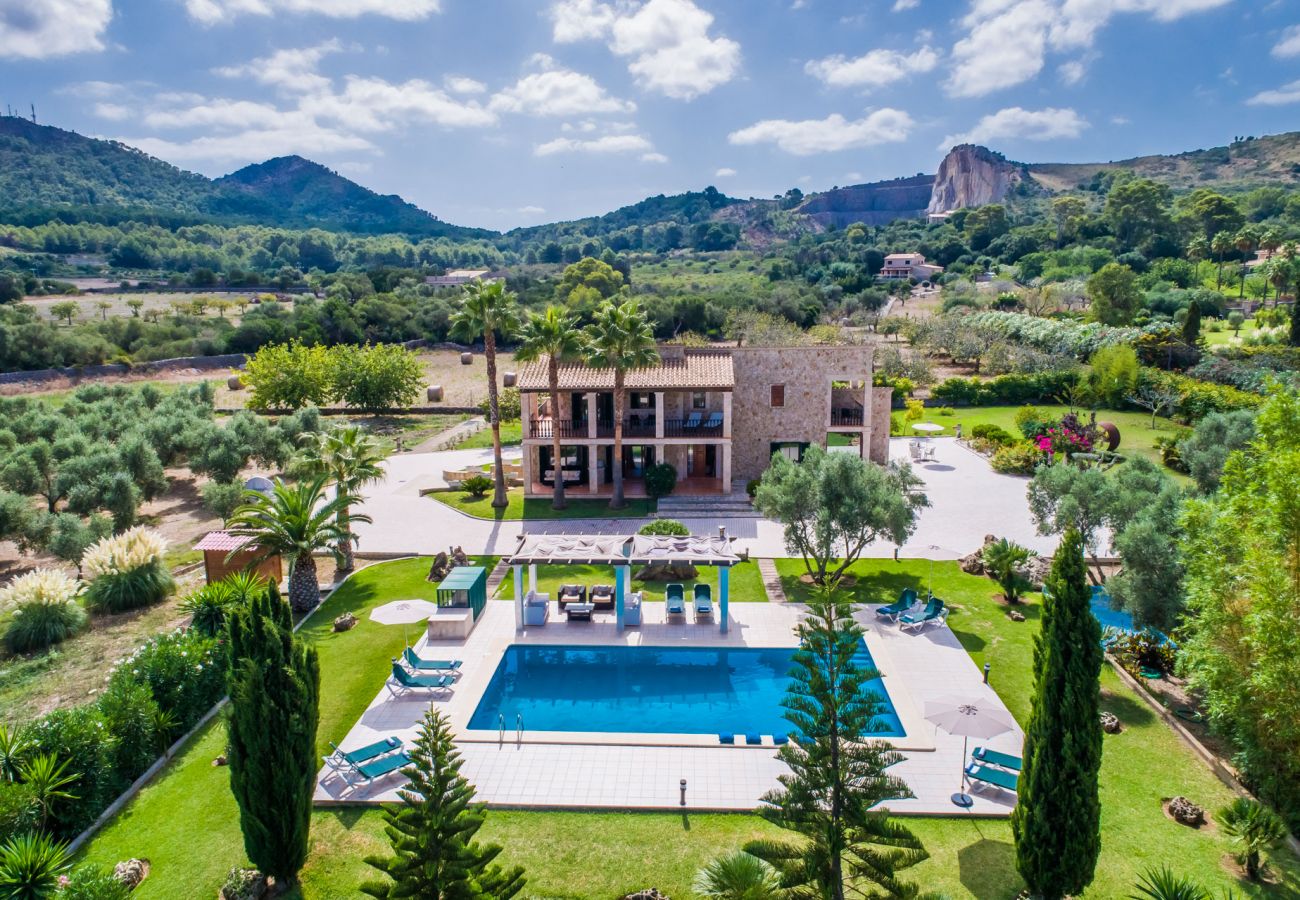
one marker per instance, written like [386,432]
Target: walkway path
[496,576]
[450,437]
[771,580]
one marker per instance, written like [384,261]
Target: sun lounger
[994,758]
[411,681]
[714,421]
[384,765]
[602,596]
[572,593]
[675,598]
[692,421]
[419,664]
[905,601]
[703,600]
[341,761]
[935,612]
[999,778]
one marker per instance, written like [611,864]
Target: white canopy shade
[693,549]
[403,612]
[569,549]
[928,427]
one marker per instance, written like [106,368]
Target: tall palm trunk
[1219,283]
[557,490]
[304,592]
[499,498]
[347,560]
[617,501]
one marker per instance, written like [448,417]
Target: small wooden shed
[464,587]
[217,546]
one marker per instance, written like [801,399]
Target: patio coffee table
[579,610]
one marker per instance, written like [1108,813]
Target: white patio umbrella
[970,717]
[403,612]
[928,427]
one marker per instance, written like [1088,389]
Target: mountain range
[48,172]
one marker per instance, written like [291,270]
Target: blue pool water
[649,690]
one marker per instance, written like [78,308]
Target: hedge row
[1005,390]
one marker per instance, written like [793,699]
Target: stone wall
[881,402]
[807,373]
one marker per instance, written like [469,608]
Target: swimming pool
[649,690]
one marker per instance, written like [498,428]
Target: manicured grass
[512,434]
[746,583]
[187,825]
[1137,437]
[1143,765]
[540,507]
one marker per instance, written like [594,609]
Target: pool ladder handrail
[519,729]
[501,728]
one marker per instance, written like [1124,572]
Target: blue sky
[501,113]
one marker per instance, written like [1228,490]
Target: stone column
[593,470]
[725,450]
[591,414]
[726,414]
[659,414]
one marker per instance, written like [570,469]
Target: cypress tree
[274,687]
[1057,820]
[1192,324]
[837,773]
[432,831]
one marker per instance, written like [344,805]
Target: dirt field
[89,308]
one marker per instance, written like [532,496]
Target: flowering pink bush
[1068,436]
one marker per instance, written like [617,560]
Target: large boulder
[973,563]
[244,884]
[1036,570]
[131,872]
[647,894]
[1185,812]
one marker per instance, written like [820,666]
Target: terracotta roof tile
[221,540]
[696,369]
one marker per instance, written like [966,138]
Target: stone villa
[716,414]
[901,266]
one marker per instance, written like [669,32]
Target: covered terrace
[622,553]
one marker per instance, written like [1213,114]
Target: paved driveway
[968,500]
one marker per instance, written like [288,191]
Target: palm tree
[1254,829]
[487,310]
[738,876]
[295,521]
[620,338]
[1221,245]
[1003,559]
[1246,240]
[350,458]
[553,335]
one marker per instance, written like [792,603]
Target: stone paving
[633,771]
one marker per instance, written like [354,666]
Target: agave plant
[738,876]
[14,747]
[30,866]
[1163,884]
[48,778]
[210,606]
[1254,829]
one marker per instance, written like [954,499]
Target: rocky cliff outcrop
[971,176]
[871,204]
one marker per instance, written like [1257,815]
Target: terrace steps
[721,506]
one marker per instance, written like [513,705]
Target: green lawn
[512,434]
[746,585]
[1225,336]
[1137,437]
[186,823]
[540,507]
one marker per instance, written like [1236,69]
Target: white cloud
[1286,94]
[902,5]
[1073,72]
[458,84]
[874,69]
[667,41]
[606,144]
[115,112]
[215,114]
[531,210]
[292,69]
[37,29]
[1288,44]
[827,135]
[293,136]
[212,12]
[1007,41]
[724,172]
[558,92]
[653,158]
[372,104]
[1016,123]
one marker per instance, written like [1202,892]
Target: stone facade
[806,374]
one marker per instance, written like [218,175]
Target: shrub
[664,527]
[1113,375]
[509,405]
[19,811]
[221,498]
[127,571]
[211,605]
[93,883]
[31,864]
[1254,830]
[1017,459]
[80,737]
[751,487]
[1138,650]
[184,671]
[995,434]
[132,717]
[1040,387]
[45,610]
[478,486]
[1030,422]
[660,479]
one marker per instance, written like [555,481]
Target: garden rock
[131,872]
[1185,812]
[973,563]
[220,760]
[1035,571]
[244,884]
[1015,615]
[647,894]
[345,622]
[1110,723]
[438,571]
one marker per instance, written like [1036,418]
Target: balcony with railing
[546,428]
[694,426]
[634,426]
[846,418]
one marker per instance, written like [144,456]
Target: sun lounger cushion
[406,679]
[382,766]
[370,751]
[993,757]
[415,661]
[676,606]
[996,777]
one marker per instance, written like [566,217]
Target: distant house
[938,218]
[460,277]
[902,266]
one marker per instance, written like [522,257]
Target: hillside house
[903,266]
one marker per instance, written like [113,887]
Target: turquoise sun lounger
[415,661]
[675,597]
[994,758]
[703,600]
[999,778]
[411,681]
[905,601]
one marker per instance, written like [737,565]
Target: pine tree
[432,831]
[837,772]
[1057,820]
[274,687]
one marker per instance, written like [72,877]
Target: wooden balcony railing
[846,418]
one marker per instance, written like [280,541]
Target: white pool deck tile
[623,771]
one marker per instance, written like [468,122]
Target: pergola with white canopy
[622,553]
